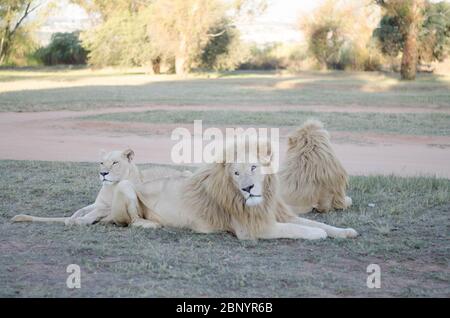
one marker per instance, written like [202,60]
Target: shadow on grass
[248,89]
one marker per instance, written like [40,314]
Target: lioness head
[115,165]
[249,180]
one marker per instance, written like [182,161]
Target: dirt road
[59,136]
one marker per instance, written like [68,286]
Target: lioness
[232,197]
[120,178]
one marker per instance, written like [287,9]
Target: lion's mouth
[251,196]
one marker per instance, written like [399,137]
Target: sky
[277,24]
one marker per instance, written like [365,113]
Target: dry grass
[50,89]
[399,123]
[405,233]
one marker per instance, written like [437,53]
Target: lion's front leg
[332,231]
[88,219]
[83,211]
[292,231]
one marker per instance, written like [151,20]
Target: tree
[181,28]
[121,40]
[64,48]
[339,32]
[13,13]
[130,32]
[433,38]
[103,9]
[406,17]
[225,51]
[119,36]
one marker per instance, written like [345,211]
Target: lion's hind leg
[125,207]
[341,201]
[83,211]
[325,202]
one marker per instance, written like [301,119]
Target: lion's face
[115,166]
[249,180]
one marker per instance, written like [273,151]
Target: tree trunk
[4,52]
[156,65]
[181,58]
[410,50]
[409,58]
[180,65]
[4,48]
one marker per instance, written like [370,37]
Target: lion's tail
[29,218]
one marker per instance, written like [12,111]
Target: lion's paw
[345,233]
[348,202]
[22,218]
[69,221]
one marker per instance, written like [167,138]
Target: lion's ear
[102,153]
[129,154]
[266,159]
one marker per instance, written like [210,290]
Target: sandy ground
[58,136]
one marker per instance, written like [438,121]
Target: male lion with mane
[312,177]
[229,197]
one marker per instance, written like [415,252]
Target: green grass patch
[408,124]
[86,89]
[405,233]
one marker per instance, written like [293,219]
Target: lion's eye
[236,173]
[253,168]
[115,162]
[101,163]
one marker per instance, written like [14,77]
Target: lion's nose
[103,173]
[249,188]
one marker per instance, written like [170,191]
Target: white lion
[312,175]
[230,197]
[120,178]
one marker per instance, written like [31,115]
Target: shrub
[22,50]
[64,48]
[224,52]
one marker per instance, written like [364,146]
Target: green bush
[121,40]
[64,48]
[265,58]
[224,52]
[292,57]
[352,57]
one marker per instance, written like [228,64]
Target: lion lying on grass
[229,197]
[218,197]
[120,178]
[312,176]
